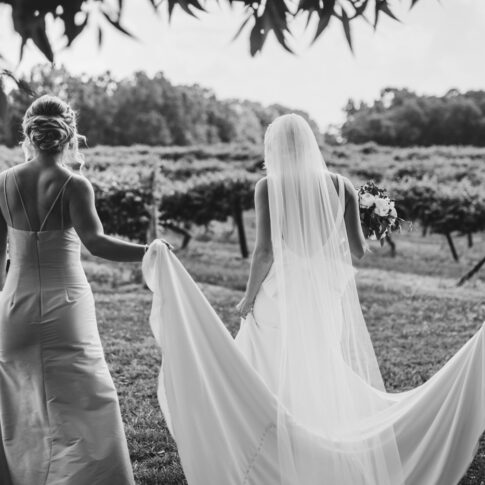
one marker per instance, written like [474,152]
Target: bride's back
[308,204]
[307,219]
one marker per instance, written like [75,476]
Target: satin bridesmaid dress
[60,422]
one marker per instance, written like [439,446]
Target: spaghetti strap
[61,192]
[21,199]
[5,195]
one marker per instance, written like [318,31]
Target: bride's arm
[3,250]
[87,224]
[357,242]
[262,257]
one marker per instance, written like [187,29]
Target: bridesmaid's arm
[262,258]
[89,228]
[3,250]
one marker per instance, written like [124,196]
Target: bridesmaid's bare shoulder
[80,185]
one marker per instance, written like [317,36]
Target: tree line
[150,110]
[143,109]
[400,117]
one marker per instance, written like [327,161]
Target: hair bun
[49,133]
[49,125]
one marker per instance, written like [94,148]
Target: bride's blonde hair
[49,125]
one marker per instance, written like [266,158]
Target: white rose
[367,200]
[393,212]
[382,207]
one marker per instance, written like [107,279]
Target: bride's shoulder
[335,178]
[261,191]
[338,179]
[261,185]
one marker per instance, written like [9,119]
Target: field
[416,315]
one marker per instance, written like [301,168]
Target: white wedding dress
[297,398]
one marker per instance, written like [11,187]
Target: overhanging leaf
[347,31]
[382,6]
[68,16]
[385,8]
[325,16]
[116,24]
[257,37]
[241,28]
[188,6]
[274,18]
[309,5]
[29,17]
[120,9]
[155,4]
[31,26]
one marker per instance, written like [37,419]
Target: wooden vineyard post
[186,236]
[237,214]
[471,273]
[452,246]
[152,208]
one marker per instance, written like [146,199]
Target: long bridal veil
[328,419]
[327,363]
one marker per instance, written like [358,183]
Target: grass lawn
[416,317]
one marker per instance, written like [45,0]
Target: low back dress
[60,421]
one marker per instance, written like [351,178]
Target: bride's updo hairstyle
[49,126]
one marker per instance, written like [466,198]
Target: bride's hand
[244,307]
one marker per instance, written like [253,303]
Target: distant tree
[400,117]
[143,109]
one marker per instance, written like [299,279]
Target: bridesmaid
[60,420]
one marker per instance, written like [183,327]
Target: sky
[436,46]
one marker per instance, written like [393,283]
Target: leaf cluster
[262,17]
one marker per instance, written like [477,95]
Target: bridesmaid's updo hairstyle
[49,126]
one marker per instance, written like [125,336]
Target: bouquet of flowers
[378,215]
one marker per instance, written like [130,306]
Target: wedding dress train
[298,397]
[223,415]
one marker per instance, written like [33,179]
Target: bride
[298,398]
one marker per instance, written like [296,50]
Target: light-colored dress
[216,395]
[258,337]
[60,421]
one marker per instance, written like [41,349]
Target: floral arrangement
[378,214]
